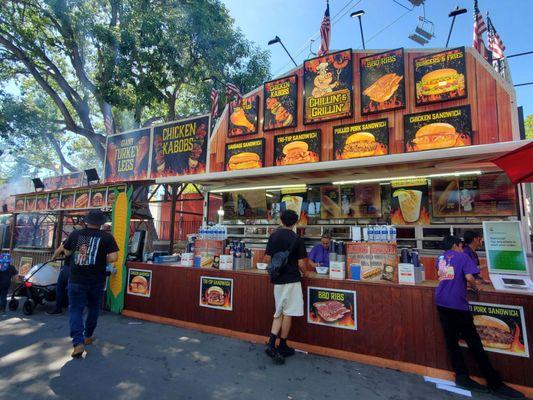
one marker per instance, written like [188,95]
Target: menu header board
[451,127]
[382,82]
[127,156]
[328,82]
[280,100]
[180,147]
[243,116]
[66,181]
[363,139]
[297,148]
[245,155]
[410,203]
[504,248]
[440,76]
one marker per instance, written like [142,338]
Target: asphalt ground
[134,359]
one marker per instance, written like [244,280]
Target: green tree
[529,126]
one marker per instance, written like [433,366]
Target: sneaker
[77,351]
[274,355]
[465,382]
[54,312]
[506,392]
[285,351]
[89,340]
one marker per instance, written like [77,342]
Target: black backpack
[279,261]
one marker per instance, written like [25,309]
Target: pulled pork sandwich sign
[328,84]
[139,282]
[502,328]
[382,82]
[280,101]
[180,147]
[297,148]
[361,140]
[332,307]
[245,155]
[216,293]
[440,76]
[127,156]
[243,116]
[440,129]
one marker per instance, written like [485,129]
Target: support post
[172,217]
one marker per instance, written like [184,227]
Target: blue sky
[296,21]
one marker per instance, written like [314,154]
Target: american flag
[325,32]
[496,45]
[479,29]
[214,103]
[233,91]
[86,250]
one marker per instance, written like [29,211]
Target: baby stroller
[38,286]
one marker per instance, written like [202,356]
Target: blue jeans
[80,296]
[3,297]
[61,288]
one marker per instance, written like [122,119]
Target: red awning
[518,164]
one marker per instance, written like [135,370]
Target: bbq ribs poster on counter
[248,154]
[332,307]
[139,282]
[502,328]
[280,103]
[439,129]
[243,116]
[328,86]
[410,203]
[127,156]
[180,147]
[216,293]
[363,139]
[297,148]
[382,82]
[440,76]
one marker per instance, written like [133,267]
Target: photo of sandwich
[139,285]
[441,81]
[372,273]
[362,144]
[67,200]
[281,115]
[438,135]
[215,296]
[494,332]
[41,204]
[331,310]
[297,152]
[244,160]
[30,204]
[53,202]
[383,88]
[82,200]
[97,199]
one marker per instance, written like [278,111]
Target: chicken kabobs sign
[382,82]
[280,100]
[127,156]
[328,85]
[332,307]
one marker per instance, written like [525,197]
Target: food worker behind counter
[319,255]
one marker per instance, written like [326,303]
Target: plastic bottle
[384,233]
[371,237]
[393,234]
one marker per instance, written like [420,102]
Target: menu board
[244,155]
[31,203]
[410,203]
[20,202]
[67,199]
[440,76]
[41,202]
[451,127]
[376,261]
[98,197]
[297,148]
[332,307]
[328,82]
[74,179]
[53,200]
[139,282]
[127,156]
[280,100]
[180,147]
[360,201]
[485,195]
[382,82]
[504,248]
[243,116]
[82,199]
[330,206]
[363,139]
[216,293]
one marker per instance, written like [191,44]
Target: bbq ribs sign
[330,307]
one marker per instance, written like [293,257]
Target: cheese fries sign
[382,82]
[280,102]
[328,88]
[245,155]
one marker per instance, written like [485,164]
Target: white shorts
[289,300]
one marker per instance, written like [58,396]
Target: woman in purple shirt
[319,255]
[455,269]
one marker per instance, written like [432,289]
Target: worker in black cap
[91,250]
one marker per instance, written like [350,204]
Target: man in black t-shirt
[287,286]
[91,250]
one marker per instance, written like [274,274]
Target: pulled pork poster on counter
[361,201]
[280,100]
[382,82]
[139,282]
[245,155]
[127,156]
[180,147]
[502,328]
[98,197]
[328,82]
[440,76]
[363,139]
[440,129]
[410,203]
[297,148]
[216,293]
[332,307]
[243,116]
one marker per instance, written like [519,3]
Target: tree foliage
[529,126]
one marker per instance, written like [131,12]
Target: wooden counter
[397,323]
